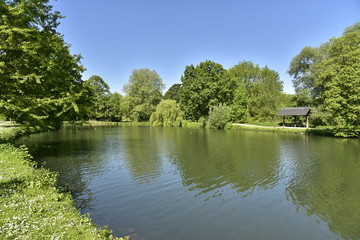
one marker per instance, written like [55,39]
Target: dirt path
[248,125]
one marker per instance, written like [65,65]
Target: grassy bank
[321,131]
[267,129]
[31,205]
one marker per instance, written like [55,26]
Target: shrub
[167,114]
[219,116]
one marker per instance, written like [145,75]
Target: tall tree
[173,92]
[302,69]
[262,95]
[338,75]
[40,79]
[265,95]
[101,88]
[101,92]
[203,86]
[145,92]
[114,107]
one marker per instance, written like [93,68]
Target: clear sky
[116,36]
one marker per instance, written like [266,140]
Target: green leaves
[338,75]
[219,116]
[144,93]
[167,114]
[40,80]
[203,86]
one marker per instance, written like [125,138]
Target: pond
[177,183]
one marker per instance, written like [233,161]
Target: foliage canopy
[167,114]
[40,79]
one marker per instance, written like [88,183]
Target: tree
[167,114]
[240,105]
[219,116]
[302,69]
[101,92]
[203,86]
[101,88]
[114,107]
[173,92]
[353,28]
[40,80]
[265,95]
[144,90]
[257,91]
[338,75]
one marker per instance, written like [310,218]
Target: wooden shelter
[295,111]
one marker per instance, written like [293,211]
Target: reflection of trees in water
[142,151]
[326,182]
[74,154]
[209,161]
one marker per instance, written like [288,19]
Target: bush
[167,114]
[219,116]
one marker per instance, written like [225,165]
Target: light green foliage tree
[353,28]
[219,116]
[167,114]
[262,96]
[266,95]
[144,91]
[203,86]
[303,98]
[173,92]
[339,77]
[302,69]
[40,80]
[245,73]
[240,105]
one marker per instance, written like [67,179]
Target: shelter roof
[294,111]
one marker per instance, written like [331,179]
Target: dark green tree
[101,91]
[173,92]
[114,107]
[204,86]
[40,79]
[101,88]
[144,91]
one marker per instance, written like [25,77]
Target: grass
[31,204]
[270,129]
[32,207]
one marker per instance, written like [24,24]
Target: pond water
[173,183]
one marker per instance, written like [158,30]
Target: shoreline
[33,206]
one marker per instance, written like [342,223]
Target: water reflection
[325,181]
[169,182]
[77,154]
[142,151]
[214,161]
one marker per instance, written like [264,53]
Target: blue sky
[116,36]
